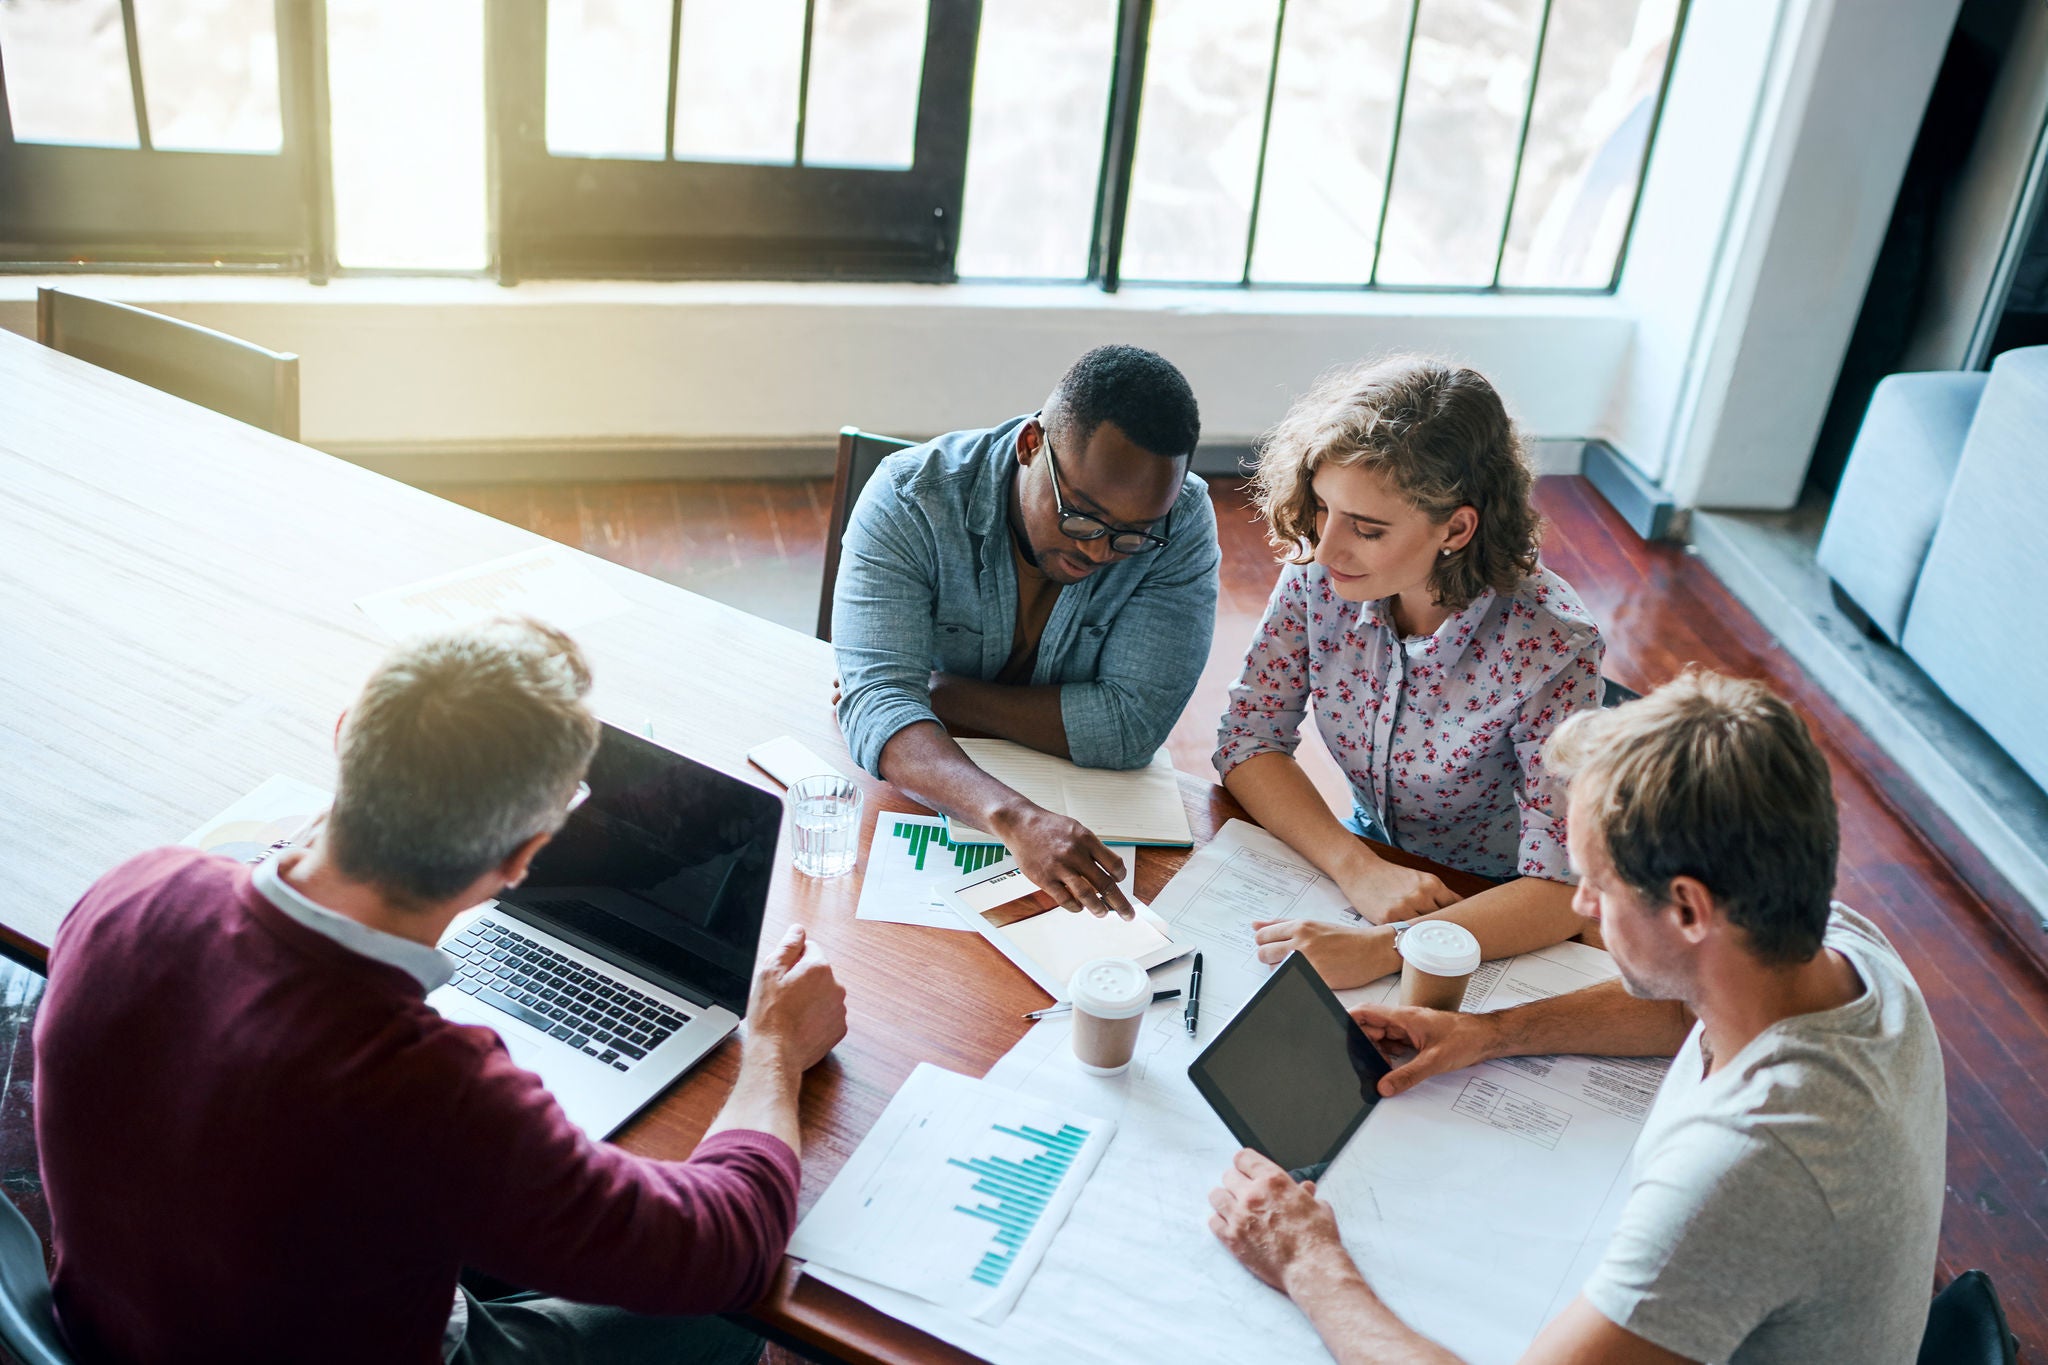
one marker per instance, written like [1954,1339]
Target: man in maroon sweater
[260,1144]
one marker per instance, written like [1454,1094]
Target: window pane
[407,97]
[209,74]
[1467,88]
[67,72]
[736,84]
[1595,99]
[1041,99]
[867,66]
[607,77]
[1326,157]
[1198,139]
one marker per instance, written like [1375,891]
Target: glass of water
[824,816]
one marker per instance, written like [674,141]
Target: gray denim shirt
[926,583]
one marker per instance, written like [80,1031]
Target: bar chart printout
[956,1192]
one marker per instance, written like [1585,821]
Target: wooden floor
[758,545]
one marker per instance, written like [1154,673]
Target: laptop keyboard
[568,1000]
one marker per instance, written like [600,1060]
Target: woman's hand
[1384,892]
[1344,955]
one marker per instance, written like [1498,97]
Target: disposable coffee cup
[1437,959]
[1110,995]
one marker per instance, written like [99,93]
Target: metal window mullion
[675,60]
[1379,232]
[1251,231]
[1507,221]
[803,80]
[133,38]
[1119,143]
[1628,230]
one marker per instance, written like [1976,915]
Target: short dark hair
[1717,779]
[461,747]
[1138,391]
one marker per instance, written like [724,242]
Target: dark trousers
[527,1329]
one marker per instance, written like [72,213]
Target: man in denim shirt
[1051,581]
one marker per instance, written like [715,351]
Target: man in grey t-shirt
[1788,1182]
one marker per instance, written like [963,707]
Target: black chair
[860,454]
[236,378]
[28,1329]
[1966,1325]
[1613,693]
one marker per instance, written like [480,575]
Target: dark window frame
[573,216]
[67,208]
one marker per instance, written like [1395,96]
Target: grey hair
[461,747]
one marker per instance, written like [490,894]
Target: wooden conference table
[176,626]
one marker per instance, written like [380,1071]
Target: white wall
[1752,269]
[447,363]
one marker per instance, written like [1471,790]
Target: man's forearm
[764,1098]
[1599,1021]
[1029,716]
[925,763]
[1352,1321]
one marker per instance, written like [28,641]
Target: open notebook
[1132,806]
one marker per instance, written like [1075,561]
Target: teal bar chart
[921,838]
[956,1193]
[1018,1191]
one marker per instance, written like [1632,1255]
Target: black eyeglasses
[1078,525]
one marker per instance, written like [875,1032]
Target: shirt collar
[1446,644]
[988,505]
[429,966]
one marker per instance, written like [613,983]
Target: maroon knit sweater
[260,1146]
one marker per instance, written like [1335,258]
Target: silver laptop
[626,954]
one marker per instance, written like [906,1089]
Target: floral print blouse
[1441,736]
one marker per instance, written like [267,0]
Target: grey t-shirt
[1786,1208]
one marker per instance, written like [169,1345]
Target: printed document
[264,823]
[1047,943]
[911,868]
[1135,806]
[546,583]
[955,1193]
[1476,1204]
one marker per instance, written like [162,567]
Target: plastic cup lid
[1110,988]
[1441,948]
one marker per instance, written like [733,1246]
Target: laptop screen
[664,870]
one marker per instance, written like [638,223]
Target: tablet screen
[1292,1075]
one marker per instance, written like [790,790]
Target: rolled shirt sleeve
[882,620]
[1155,648]
[1572,688]
[1270,696]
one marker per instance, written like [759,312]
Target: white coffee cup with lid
[1437,959]
[1110,996]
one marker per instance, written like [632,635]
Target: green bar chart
[1018,1191]
[920,839]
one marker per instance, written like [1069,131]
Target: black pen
[1066,1007]
[1194,1009]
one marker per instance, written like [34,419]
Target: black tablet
[1292,1076]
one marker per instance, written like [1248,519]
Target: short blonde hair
[1717,779]
[462,747]
[1440,435]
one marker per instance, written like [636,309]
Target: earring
[1443,554]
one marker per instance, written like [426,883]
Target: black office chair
[28,1329]
[860,454]
[1966,1325]
[234,377]
[1613,693]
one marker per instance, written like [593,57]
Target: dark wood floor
[759,546]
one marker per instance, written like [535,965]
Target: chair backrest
[28,1329]
[1613,693]
[860,454]
[1966,1325]
[198,364]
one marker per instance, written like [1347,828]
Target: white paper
[264,823]
[1476,1203]
[911,867]
[546,583]
[1241,875]
[1139,805]
[1048,946]
[955,1193]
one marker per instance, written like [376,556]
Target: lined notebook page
[1138,806]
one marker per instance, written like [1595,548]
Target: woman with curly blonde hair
[1435,653]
